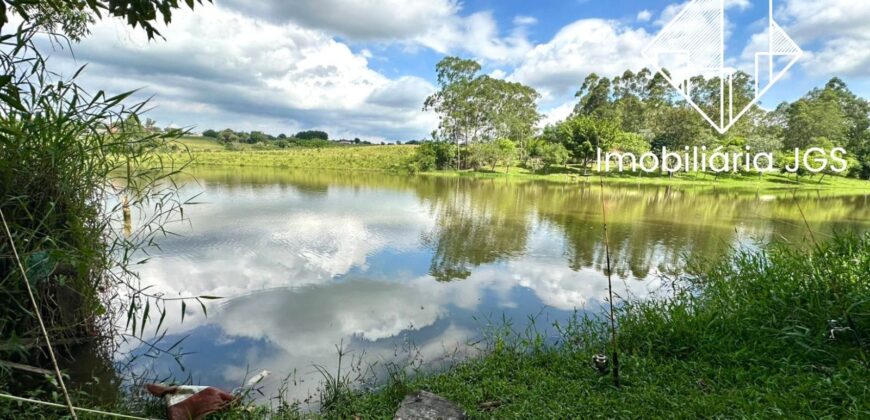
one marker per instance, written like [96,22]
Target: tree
[481,155]
[739,90]
[679,127]
[507,153]
[650,114]
[312,135]
[433,155]
[815,117]
[457,101]
[210,133]
[632,100]
[628,92]
[543,155]
[857,113]
[855,109]
[475,108]
[257,137]
[595,97]
[582,135]
[630,143]
[550,134]
[228,136]
[513,112]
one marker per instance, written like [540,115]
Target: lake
[412,269]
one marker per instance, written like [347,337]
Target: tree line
[486,122]
[229,135]
[232,139]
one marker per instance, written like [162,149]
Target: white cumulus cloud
[837,31]
[218,65]
[559,66]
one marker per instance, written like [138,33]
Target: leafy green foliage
[76,167]
[811,119]
[312,135]
[433,155]
[491,154]
[631,143]
[73,16]
[544,155]
[477,108]
[644,105]
[583,135]
[64,154]
[638,113]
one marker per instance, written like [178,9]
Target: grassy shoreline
[766,182]
[396,158]
[752,337]
[780,332]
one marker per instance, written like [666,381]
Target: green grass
[769,181]
[378,158]
[200,144]
[208,152]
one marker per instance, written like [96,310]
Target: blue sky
[363,69]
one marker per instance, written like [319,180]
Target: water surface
[393,265]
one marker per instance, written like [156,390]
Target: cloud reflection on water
[306,263]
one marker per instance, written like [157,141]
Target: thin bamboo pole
[614,339]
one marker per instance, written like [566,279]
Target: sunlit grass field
[385,158]
[208,152]
[199,144]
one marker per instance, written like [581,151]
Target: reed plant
[75,168]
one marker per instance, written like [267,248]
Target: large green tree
[857,113]
[474,108]
[458,100]
[814,117]
[583,135]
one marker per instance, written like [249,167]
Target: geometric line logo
[693,43]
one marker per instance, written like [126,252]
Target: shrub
[312,135]
[65,156]
[434,155]
[544,155]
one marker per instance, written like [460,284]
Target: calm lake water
[392,265]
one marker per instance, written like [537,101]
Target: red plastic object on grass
[191,402]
